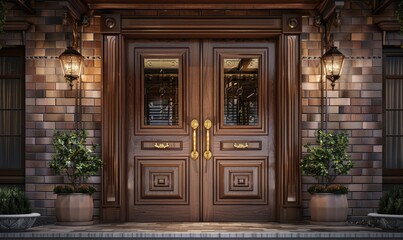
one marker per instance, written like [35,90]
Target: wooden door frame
[285,29]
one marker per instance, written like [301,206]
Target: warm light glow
[71,61]
[333,61]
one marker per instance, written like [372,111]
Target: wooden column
[288,125]
[112,122]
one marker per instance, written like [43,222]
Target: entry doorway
[200,130]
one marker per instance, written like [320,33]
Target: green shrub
[74,159]
[334,188]
[392,202]
[66,189]
[13,201]
[327,159]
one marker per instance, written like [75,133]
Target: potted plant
[390,213]
[74,159]
[15,210]
[325,161]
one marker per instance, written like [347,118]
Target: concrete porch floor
[203,231]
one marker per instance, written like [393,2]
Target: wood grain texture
[288,118]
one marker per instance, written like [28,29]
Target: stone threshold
[210,231]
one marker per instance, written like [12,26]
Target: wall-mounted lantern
[333,61]
[71,61]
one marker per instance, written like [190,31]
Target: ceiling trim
[77,8]
[257,6]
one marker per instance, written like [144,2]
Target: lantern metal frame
[71,61]
[335,59]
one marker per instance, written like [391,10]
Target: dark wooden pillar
[288,122]
[112,123]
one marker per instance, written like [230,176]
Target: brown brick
[372,125]
[351,125]
[360,101]
[362,148]
[53,179]
[34,179]
[45,85]
[55,109]
[34,117]
[340,101]
[45,125]
[362,179]
[45,101]
[35,195]
[65,101]
[58,117]
[339,117]
[371,171]
[43,172]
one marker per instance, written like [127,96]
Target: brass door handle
[207,154]
[194,154]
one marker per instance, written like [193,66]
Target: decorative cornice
[202,4]
[16,26]
[77,8]
[327,8]
[389,25]
[25,6]
[382,5]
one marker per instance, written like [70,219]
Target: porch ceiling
[203,4]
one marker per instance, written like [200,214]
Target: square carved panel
[161,181]
[240,181]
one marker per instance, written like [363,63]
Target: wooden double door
[200,130]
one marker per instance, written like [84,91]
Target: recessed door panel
[239,180]
[200,145]
[163,180]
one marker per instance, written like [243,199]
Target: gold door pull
[161,145]
[194,154]
[241,145]
[207,154]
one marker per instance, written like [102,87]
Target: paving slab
[199,230]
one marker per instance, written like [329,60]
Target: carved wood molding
[327,8]
[288,131]
[111,131]
[201,28]
[76,7]
[16,26]
[204,4]
[389,25]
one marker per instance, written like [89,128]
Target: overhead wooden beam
[203,4]
[77,8]
[25,6]
[327,8]
[16,26]
[382,6]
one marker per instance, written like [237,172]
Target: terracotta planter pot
[329,209]
[74,209]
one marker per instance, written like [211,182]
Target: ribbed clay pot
[74,209]
[328,209]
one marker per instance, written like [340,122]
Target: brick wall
[355,106]
[50,104]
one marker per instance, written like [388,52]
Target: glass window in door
[241,88]
[161,87]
